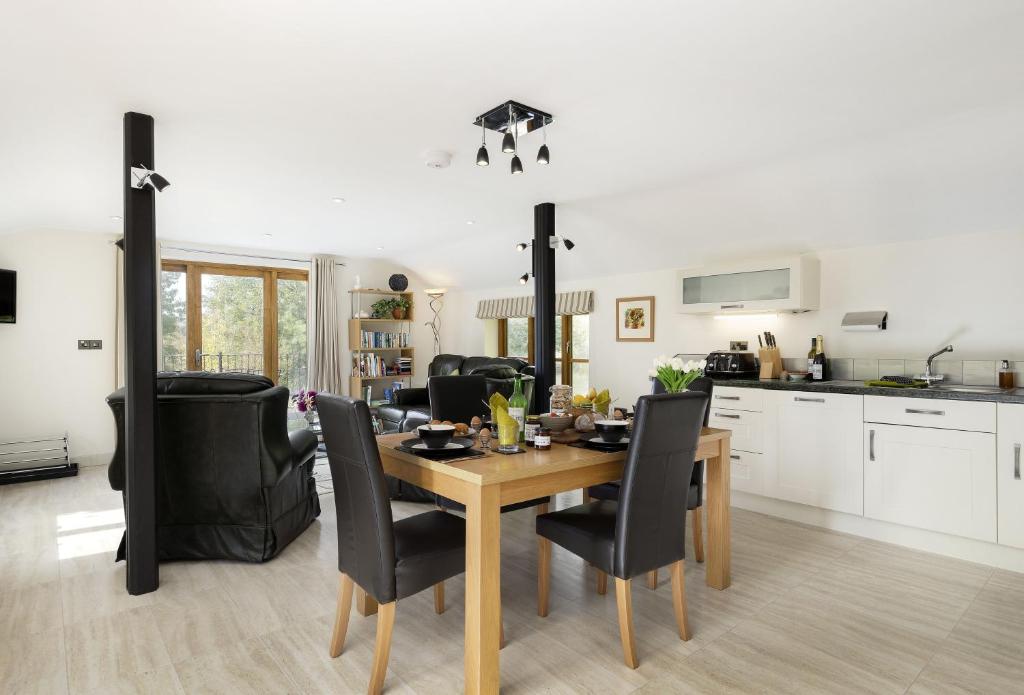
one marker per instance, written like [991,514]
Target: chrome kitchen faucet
[928,376]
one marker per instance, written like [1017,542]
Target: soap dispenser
[1005,375]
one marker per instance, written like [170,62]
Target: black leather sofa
[410,407]
[232,482]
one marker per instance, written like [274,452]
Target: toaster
[729,364]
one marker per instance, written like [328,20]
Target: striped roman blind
[571,303]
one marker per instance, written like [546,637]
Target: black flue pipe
[543,305]
[143,569]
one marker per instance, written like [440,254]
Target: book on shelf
[383,339]
[373,365]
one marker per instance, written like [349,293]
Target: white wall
[65,292]
[966,290]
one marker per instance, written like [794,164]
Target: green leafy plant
[382,308]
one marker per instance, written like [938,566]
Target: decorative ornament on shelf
[675,374]
[398,282]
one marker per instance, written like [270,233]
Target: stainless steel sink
[965,389]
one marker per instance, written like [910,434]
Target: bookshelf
[375,343]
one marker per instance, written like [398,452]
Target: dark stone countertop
[858,388]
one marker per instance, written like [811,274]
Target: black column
[140,359]
[543,304]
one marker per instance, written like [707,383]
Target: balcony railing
[291,371]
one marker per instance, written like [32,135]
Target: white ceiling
[684,131]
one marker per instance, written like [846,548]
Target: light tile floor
[810,611]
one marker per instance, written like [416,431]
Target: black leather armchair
[410,407]
[232,483]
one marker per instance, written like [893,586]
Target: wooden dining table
[486,483]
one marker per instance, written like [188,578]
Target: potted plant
[674,374]
[395,307]
[305,403]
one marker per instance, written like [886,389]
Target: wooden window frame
[566,359]
[194,271]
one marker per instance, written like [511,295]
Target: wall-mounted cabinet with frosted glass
[788,284]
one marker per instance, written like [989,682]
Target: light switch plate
[90,344]
[738,345]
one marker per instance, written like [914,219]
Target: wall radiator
[35,459]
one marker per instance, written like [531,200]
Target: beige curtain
[325,370]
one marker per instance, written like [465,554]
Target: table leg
[483,590]
[718,570]
[365,604]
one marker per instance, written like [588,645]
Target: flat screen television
[8,296]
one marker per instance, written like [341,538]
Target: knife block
[771,363]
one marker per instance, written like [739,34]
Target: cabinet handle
[919,411]
[871,445]
[808,400]
[732,306]
[1016,461]
[736,457]
[734,417]
[727,398]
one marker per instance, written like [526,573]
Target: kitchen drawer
[971,416]
[747,427]
[747,471]
[737,398]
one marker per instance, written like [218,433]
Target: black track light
[524,278]
[508,143]
[482,159]
[521,246]
[568,244]
[517,165]
[543,155]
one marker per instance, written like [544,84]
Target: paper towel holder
[865,321]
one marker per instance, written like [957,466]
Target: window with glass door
[572,347]
[233,318]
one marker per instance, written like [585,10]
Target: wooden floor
[810,611]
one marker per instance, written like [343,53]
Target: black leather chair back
[650,527]
[701,383]
[445,364]
[457,398]
[366,537]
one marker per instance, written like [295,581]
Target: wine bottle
[820,370]
[811,353]
[517,407]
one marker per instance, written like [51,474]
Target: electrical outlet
[90,344]
[738,345]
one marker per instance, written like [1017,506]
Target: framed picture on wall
[634,319]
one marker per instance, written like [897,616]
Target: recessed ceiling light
[337,200]
[470,221]
[268,236]
[380,248]
[116,218]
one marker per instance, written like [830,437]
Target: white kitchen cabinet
[1010,474]
[746,471]
[747,428]
[814,450]
[787,284]
[935,479]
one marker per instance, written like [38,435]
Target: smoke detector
[437,159]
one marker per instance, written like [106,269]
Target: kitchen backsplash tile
[865,369]
[842,368]
[980,372]
[890,368]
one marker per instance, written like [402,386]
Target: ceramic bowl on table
[436,436]
[611,430]
[556,423]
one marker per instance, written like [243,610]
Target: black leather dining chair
[695,494]
[389,560]
[646,528]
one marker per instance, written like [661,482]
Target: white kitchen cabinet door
[746,471]
[940,480]
[814,450]
[1010,474]
[747,428]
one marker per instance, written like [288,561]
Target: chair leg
[439,598]
[652,579]
[543,575]
[586,497]
[678,572]
[501,628]
[341,615]
[624,599]
[382,647]
[698,534]
[602,583]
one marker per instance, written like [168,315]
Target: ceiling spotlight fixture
[568,244]
[142,177]
[543,154]
[482,159]
[522,246]
[524,278]
[513,120]
[337,200]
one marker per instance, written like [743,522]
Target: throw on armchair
[232,483]
[411,407]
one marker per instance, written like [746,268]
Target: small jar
[532,425]
[542,442]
